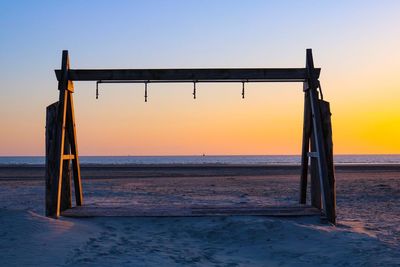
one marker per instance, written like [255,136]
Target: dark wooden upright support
[317,144]
[327,132]
[66,201]
[62,149]
[315,186]
[305,147]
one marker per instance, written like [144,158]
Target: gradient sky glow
[356,43]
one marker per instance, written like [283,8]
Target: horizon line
[214,155]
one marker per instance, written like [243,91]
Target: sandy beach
[367,233]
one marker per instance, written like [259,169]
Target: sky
[356,43]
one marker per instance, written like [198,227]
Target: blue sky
[351,40]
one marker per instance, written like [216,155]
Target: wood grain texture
[62,149]
[51,115]
[180,210]
[305,147]
[327,204]
[315,187]
[327,130]
[295,74]
[71,133]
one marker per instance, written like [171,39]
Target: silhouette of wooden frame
[62,148]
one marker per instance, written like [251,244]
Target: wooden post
[66,196]
[315,186]
[61,148]
[51,115]
[305,146]
[327,130]
[74,151]
[66,201]
[309,146]
[322,162]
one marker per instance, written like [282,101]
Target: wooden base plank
[188,211]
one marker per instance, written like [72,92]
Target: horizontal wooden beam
[168,75]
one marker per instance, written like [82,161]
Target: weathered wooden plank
[71,131]
[66,193]
[180,210]
[66,190]
[295,74]
[51,167]
[305,147]
[327,130]
[51,116]
[59,138]
[315,187]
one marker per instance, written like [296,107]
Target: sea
[208,159]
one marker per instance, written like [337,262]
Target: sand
[367,233]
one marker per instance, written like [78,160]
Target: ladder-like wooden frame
[317,145]
[62,147]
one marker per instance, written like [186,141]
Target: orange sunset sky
[355,43]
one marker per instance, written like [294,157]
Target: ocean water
[246,159]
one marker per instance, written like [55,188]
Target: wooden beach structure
[62,159]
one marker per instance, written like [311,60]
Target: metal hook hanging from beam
[194,90]
[145,91]
[97,89]
[242,90]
